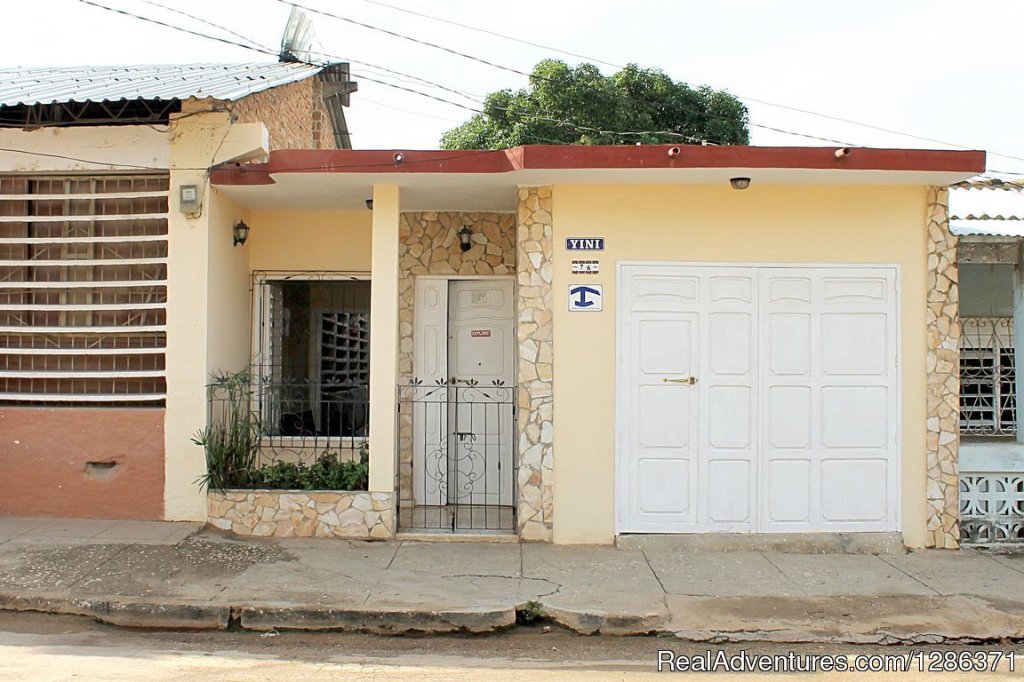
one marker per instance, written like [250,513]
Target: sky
[937,69]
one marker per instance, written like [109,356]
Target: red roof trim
[565,157]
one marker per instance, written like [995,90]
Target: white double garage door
[757,399]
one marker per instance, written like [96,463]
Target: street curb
[989,624]
[140,614]
[379,621]
[601,623]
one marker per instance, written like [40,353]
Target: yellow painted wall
[707,224]
[229,305]
[196,257]
[310,240]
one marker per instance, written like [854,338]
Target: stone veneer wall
[535,372]
[943,367]
[429,245]
[300,513]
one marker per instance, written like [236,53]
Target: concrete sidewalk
[182,576]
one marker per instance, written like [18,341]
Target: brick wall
[294,114]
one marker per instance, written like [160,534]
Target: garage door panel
[729,409]
[789,490]
[789,289]
[664,294]
[729,491]
[789,343]
[729,343]
[854,490]
[664,486]
[662,417]
[854,343]
[660,341]
[789,417]
[863,289]
[738,289]
[855,416]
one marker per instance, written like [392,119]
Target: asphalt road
[42,648]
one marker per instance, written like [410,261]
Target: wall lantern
[465,234]
[239,233]
[739,183]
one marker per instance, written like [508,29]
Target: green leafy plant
[232,439]
[580,105]
[530,612]
[232,442]
[327,472]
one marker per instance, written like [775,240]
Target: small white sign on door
[586,298]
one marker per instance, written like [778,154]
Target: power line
[496,34]
[809,112]
[206,22]
[561,123]
[367,100]
[523,116]
[520,72]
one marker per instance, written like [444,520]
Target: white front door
[757,399]
[463,442]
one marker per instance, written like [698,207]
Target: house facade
[562,344]
[571,344]
[95,249]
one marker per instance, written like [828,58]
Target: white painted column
[1018,339]
[383,337]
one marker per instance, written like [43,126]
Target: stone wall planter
[303,513]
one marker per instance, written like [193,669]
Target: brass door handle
[686,380]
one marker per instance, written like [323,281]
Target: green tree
[567,105]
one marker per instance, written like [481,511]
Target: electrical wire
[597,60]
[201,20]
[560,123]
[520,72]
[556,122]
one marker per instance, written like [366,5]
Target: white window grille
[987,393]
[83,289]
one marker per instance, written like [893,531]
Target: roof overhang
[476,180]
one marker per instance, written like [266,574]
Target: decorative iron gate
[459,437]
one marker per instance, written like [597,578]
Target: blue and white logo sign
[584,243]
[586,298]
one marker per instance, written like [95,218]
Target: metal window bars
[299,421]
[987,377]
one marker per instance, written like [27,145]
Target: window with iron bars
[83,275]
[988,405]
[312,360]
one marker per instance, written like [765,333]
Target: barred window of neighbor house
[83,275]
[987,377]
[313,356]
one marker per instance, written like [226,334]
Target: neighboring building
[988,217]
[573,343]
[97,252]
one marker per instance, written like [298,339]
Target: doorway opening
[457,413]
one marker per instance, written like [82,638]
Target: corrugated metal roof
[164,82]
[987,207]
